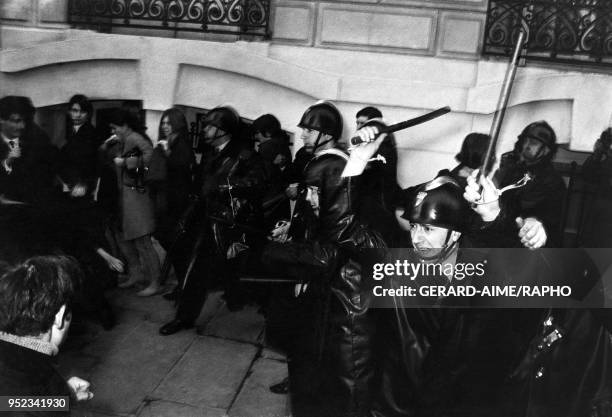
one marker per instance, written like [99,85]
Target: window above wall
[234,17]
[566,31]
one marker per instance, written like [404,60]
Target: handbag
[157,170]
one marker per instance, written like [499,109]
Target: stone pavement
[136,372]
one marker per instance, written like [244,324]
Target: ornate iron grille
[559,30]
[215,16]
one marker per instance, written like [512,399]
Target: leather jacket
[324,208]
[337,345]
[232,183]
[542,197]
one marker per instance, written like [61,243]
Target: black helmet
[473,150]
[224,118]
[324,117]
[540,131]
[266,124]
[439,203]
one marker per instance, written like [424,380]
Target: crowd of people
[291,234]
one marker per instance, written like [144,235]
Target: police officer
[542,196]
[378,188]
[330,367]
[232,183]
[448,361]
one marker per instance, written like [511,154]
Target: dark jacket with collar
[542,197]
[32,175]
[77,159]
[449,360]
[231,185]
[26,372]
[332,372]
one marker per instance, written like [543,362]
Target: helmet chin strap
[445,251]
[318,143]
[217,136]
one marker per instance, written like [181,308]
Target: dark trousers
[200,265]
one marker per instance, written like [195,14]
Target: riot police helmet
[438,203]
[542,132]
[324,117]
[224,118]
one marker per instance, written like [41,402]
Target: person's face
[430,240]
[532,150]
[13,127]
[261,137]
[215,136]
[77,114]
[309,137]
[360,121]
[120,131]
[166,127]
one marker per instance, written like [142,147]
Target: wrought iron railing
[559,30]
[215,16]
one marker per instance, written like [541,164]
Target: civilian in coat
[136,208]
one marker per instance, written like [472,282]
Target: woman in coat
[136,209]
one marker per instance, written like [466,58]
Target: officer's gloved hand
[532,232]
[362,153]
[483,196]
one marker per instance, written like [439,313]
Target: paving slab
[155,308]
[255,398]
[82,411]
[105,341]
[209,374]
[133,367]
[245,325]
[82,352]
[172,409]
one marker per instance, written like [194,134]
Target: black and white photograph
[306,208]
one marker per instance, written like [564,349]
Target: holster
[541,345]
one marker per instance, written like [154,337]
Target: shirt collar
[30,342]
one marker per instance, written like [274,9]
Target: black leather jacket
[231,185]
[542,197]
[338,343]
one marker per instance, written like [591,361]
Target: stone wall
[433,28]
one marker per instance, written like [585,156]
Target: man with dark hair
[26,175]
[365,114]
[26,155]
[78,150]
[470,157]
[35,315]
